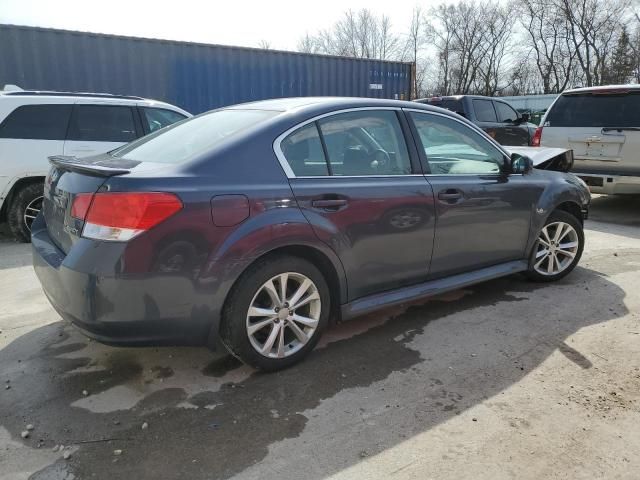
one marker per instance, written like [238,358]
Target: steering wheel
[380,159]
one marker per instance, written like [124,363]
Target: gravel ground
[504,380]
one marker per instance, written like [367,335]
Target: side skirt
[392,298]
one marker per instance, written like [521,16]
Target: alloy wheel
[558,245]
[31,211]
[283,315]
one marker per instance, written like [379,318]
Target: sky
[281,23]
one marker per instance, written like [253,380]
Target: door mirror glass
[521,164]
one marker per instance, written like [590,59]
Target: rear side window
[102,123]
[506,114]
[157,118]
[303,151]
[38,122]
[595,110]
[367,142]
[484,110]
[183,141]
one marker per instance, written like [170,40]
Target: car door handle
[450,195]
[330,203]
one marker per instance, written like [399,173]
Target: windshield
[596,110]
[188,139]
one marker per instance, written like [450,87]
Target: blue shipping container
[196,77]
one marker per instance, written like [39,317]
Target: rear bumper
[151,309]
[611,184]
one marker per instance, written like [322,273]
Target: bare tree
[497,45]
[264,44]
[416,40]
[308,44]
[471,40]
[592,28]
[358,34]
[548,38]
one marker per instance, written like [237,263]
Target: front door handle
[329,204]
[450,195]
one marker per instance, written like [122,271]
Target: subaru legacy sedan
[256,224]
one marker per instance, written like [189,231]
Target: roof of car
[43,96]
[603,88]
[46,93]
[453,97]
[330,103]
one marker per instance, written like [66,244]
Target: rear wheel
[24,207]
[276,313]
[558,248]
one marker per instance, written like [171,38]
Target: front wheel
[276,313]
[558,248]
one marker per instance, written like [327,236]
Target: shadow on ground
[619,209]
[210,417]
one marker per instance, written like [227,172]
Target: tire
[565,255]
[22,208]
[251,291]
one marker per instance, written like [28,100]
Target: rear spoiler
[95,166]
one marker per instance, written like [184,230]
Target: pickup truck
[494,116]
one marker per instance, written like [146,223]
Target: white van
[602,126]
[36,125]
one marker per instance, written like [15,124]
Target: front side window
[453,148]
[303,151]
[38,122]
[484,110]
[102,123]
[157,118]
[506,114]
[367,142]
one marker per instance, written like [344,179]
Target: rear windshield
[449,104]
[188,139]
[596,110]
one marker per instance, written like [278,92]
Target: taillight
[537,137]
[122,216]
[80,205]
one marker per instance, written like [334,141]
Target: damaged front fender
[546,158]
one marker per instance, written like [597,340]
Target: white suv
[36,125]
[602,126]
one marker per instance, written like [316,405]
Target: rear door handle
[450,195]
[329,204]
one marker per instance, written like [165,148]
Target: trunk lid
[68,177]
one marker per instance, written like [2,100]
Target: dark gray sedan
[256,224]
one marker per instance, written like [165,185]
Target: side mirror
[521,164]
[524,118]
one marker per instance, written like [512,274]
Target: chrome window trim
[285,165]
